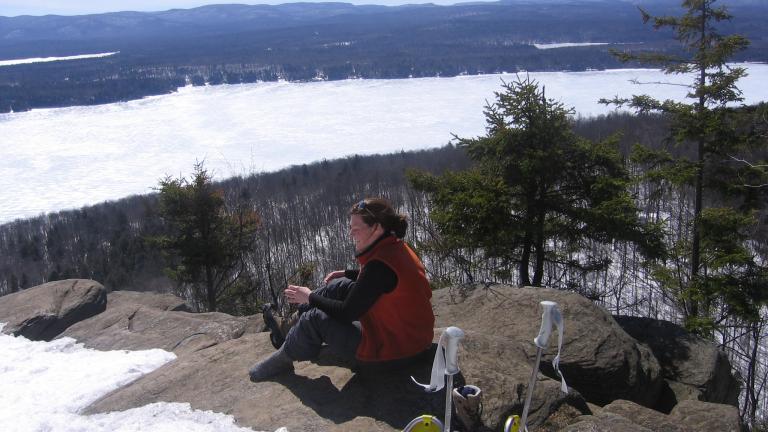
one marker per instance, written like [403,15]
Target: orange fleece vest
[401,322]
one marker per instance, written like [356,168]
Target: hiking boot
[286,324]
[469,406]
[278,362]
[275,335]
[278,326]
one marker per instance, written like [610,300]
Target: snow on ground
[43,386]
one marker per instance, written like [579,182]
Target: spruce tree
[715,273]
[207,239]
[538,193]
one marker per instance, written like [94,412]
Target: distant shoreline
[316,80]
[52,59]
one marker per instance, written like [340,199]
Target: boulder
[44,311]
[599,359]
[642,416]
[688,416]
[502,370]
[153,300]
[693,367]
[216,350]
[319,396]
[136,321]
[702,416]
[605,422]
[326,395]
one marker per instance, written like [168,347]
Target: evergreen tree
[207,239]
[713,267]
[538,193]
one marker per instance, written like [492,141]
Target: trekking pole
[444,367]
[550,315]
[454,334]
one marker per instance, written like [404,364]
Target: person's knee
[316,318]
[338,284]
[304,339]
[307,323]
[338,288]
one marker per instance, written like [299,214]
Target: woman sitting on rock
[379,313]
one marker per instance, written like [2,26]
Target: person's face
[362,234]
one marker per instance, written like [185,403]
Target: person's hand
[297,294]
[334,275]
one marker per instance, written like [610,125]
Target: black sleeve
[374,280]
[351,274]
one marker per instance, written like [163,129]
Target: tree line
[97,81]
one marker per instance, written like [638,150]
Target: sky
[76,156]
[45,384]
[81,7]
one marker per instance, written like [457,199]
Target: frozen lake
[54,159]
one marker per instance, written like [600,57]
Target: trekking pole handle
[550,316]
[453,336]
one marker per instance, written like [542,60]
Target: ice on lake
[53,159]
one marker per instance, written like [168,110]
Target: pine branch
[751,165]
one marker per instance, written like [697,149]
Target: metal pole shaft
[531,384]
[448,391]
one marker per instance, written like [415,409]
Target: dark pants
[315,328]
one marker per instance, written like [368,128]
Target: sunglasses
[362,206]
